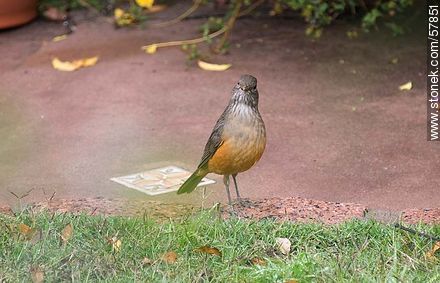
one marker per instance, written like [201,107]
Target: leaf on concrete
[213,67]
[406,86]
[150,49]
[169,257]
[59,37]
[67,233]
[283,245]
[145,3]
[69,66]
[209,250]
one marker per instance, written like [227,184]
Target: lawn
[121,249]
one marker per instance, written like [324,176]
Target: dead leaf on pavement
[69,66]
[150,49]
[406,86]
[283,245]
[431,254]
[209,250]
[213,67]
[258,261]
[59,37]
[37,274]
[169,257]
[67,233]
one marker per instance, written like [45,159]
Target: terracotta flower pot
[17,12]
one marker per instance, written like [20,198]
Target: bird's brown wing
[214,141]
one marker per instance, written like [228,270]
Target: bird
[237,141]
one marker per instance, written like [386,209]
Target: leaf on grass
[283,245]
[291,281]
[147,261]
[59,37]
[67,233]
[145,3]
[26,231]
[431,254]
[69,66]
[150,49]
[209,250]
[37,274]
[258,261]
[169,257]
[123,18]
[213,67]
[407,86]
[116,244]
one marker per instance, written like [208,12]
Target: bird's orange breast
[237,154]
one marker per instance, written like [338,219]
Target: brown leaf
[26,231]
[258,261]
[116,244]
[291,281]
[67,233]
[37,274]
[209,250]
[169,257]
[431,254]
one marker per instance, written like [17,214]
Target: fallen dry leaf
[431,254]
[213,67]
[169,257]
[67,233]
[116,244]
[69,66]
[37,274]
[394,60]
[145,3]
[407,86]
[59,37]
[291,281]
[150,49]
[209,250]
[258,261]
[26,231]
[156,9]
[283,245]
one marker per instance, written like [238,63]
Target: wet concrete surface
[338,127]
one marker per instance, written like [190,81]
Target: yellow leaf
[407,86]
[213,67]
[67,66]
[116,243]
[145,3]
[67,233]
[169,257]
[150,49]
[26,231]
[59,37]
[431,254]
[209,250]
[87,62]
[123,18]
[283,245]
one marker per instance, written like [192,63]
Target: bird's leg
[236,187]
[226,182]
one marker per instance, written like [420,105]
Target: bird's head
[245,91]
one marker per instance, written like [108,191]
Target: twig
[229,25]
[407,229]
[188,12]
[251,7]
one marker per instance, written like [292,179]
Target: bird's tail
[192,182]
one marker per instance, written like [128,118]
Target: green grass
[355,251]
